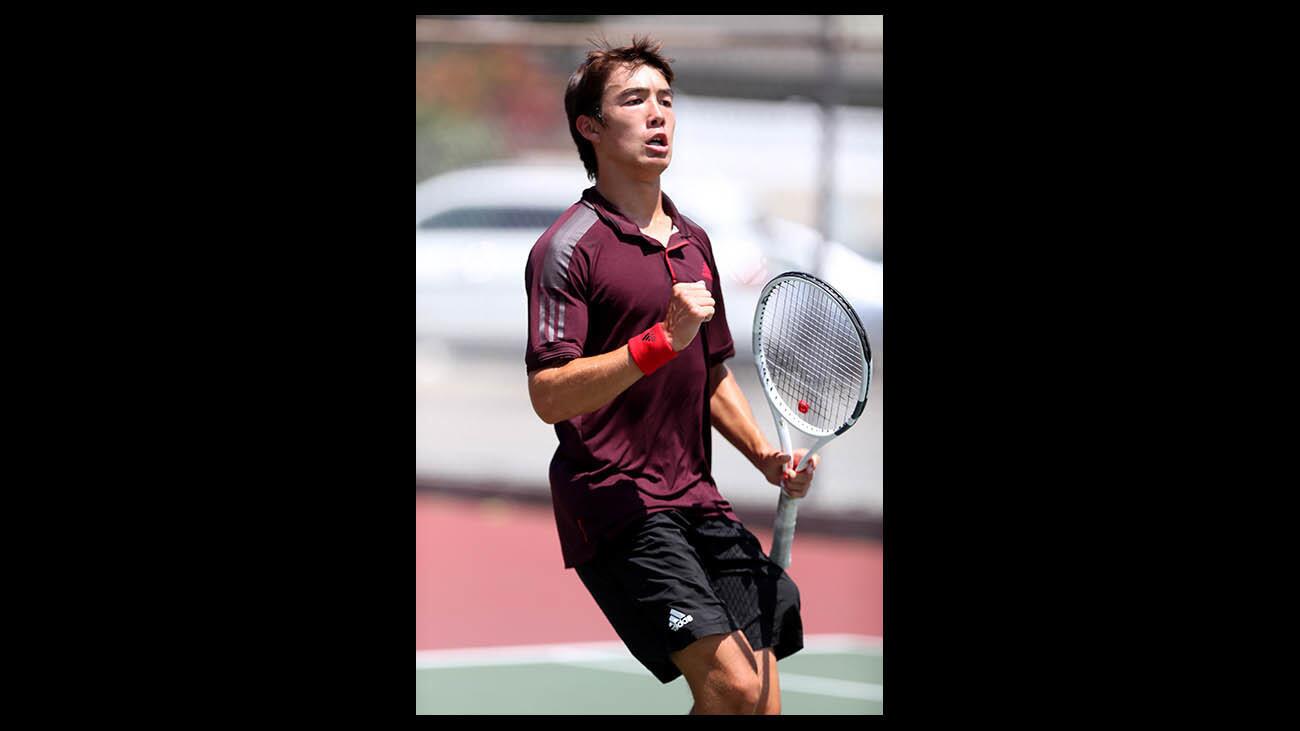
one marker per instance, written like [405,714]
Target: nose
[656,114]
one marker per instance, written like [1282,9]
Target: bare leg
[769,697]
[723,674]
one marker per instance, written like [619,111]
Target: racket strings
[830,333]
[813,354]
[815,380]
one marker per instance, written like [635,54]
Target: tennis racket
[814,363]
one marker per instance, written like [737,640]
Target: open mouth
[659,141]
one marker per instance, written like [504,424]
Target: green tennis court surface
[833,674]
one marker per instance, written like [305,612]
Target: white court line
[597,651]
[520,655]
[821,644]
[597,656]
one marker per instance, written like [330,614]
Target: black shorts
[673,579]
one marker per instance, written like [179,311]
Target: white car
[475,227]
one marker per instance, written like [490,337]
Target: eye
[633,100]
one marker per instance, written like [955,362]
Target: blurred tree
[482,104]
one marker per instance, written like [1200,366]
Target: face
[637,136]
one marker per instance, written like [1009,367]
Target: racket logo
[803,406]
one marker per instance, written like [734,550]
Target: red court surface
[489,572]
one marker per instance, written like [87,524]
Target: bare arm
[585,384]
[734,420]
[582,385]
[732,416]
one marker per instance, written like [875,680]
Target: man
[627,341]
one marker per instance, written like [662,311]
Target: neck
[639,200]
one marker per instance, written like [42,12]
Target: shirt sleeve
[556,279]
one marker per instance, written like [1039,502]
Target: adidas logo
[648,337]
[677,620]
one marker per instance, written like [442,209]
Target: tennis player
[627,345]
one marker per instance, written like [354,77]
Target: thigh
[655,593]
[717,660]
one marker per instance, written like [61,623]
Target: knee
[741,692]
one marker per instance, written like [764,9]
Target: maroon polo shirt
[593,281]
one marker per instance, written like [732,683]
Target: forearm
[582,385]
[733,418]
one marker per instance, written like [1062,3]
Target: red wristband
[651,349]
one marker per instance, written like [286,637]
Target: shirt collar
[615,217]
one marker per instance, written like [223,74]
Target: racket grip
[787,511]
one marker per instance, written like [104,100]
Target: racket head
[812,354]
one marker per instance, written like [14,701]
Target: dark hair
[587,85]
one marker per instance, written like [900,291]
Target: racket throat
[816,447]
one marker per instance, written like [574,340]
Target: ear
[588,128]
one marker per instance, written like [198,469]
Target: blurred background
[779,127]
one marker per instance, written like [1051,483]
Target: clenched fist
[690,305]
